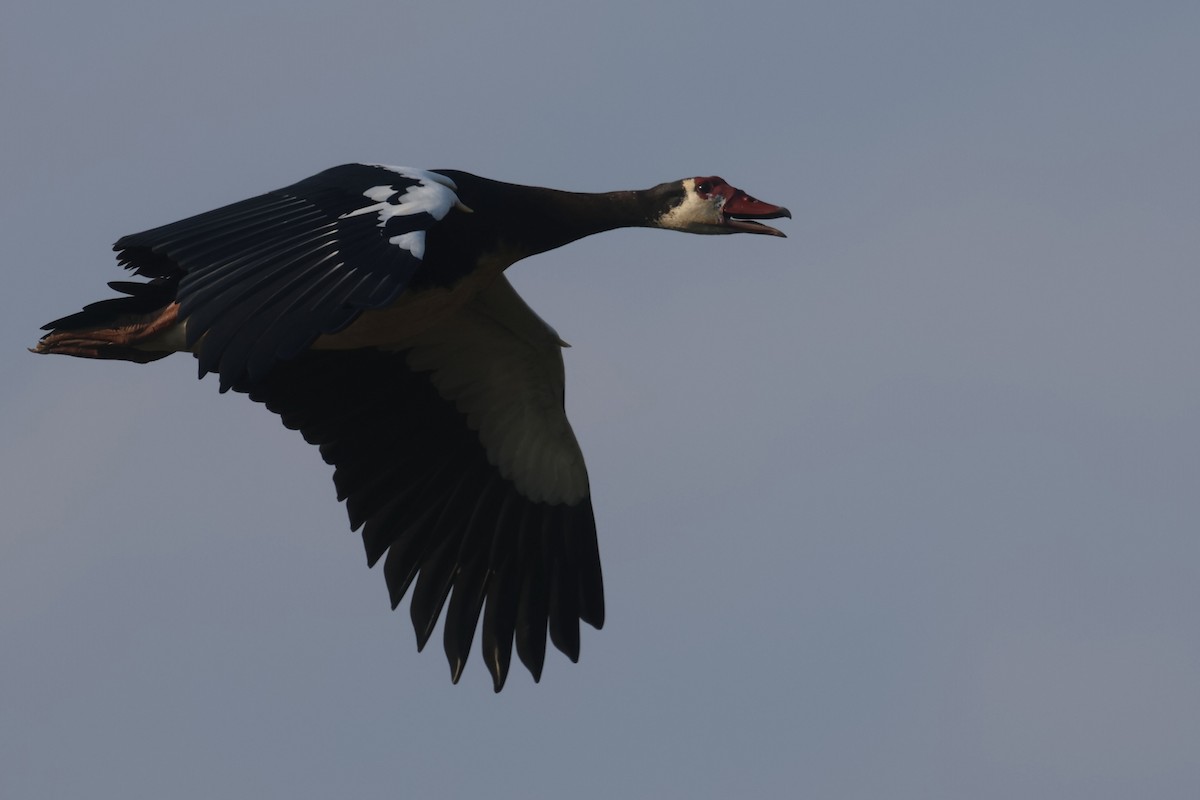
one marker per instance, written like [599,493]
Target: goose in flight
[367,306]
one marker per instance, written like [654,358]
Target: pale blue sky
[903,506]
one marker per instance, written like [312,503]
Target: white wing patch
[413,242]
[423,175]
[502,367]
[433,194]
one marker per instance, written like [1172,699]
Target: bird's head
[710,205]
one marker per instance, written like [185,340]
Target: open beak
[740,211]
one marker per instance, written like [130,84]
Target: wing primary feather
[436,487]
[215,252]
[582,529]
[462,616]
[409,547]
[219,225]
[564,591]
[533,607]
[503,585]
[432,587]
[439,569]
[253,268]
[412,491]
[470,583]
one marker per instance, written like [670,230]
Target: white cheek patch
[692,210]
[433,194]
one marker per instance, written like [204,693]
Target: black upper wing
[259,280]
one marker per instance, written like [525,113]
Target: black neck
[530,219]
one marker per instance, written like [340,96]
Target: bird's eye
[704,187]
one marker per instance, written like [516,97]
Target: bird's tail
[141,327]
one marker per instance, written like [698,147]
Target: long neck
[555,218]
[533,220]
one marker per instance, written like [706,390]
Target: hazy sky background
[903,506]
